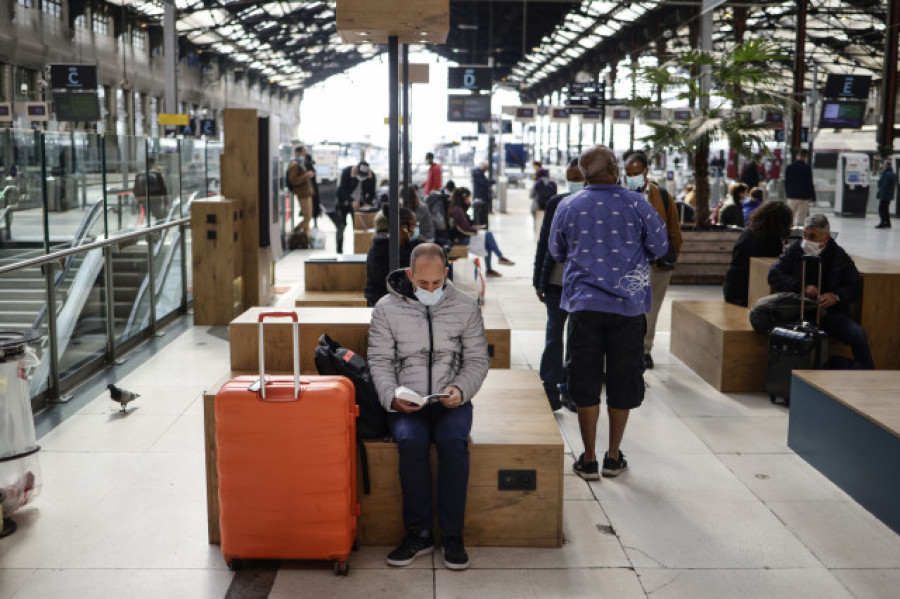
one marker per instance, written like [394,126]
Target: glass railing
[69,192]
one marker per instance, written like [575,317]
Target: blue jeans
[449,429]
[552,369]
[490,244]
[840,326]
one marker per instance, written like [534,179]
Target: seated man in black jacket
[378,259]
[841,284]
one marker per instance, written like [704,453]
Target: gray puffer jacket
[426,348]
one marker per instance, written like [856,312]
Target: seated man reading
[841,284]
[426,340]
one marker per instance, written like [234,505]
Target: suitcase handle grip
[295,327]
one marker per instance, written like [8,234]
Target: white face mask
[575,186]
[812,248]
[429,298]
[635,183]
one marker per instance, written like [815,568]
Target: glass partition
[125,163]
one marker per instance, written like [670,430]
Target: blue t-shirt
[605,236]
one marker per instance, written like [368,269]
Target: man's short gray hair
[817,221]
[427,250]
[589,163]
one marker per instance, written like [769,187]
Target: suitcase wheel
[235,564]
[341,568]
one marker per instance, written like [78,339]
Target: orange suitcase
[287,465]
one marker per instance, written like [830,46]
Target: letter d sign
[469,79]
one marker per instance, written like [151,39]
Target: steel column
[394,150]
[407,160]
[889,78]
[799,74]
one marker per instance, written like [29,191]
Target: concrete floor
[714,505]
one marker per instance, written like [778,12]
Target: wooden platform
[715,340]
[348,326]
[344,272]
[362,240]
[846,424]
[705,256]
[512,430]
[363,220]
[331,299]
[458,251]
[878,311]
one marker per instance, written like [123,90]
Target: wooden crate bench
[715,340]
[331,299]
[458,251]
[364,220]
[878,311]
[846,424]
[344,272]
[349,326]
[705,256]
[362,240]
[512,430]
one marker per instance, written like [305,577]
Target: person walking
[750,173]
[481,194]
[433,180]
[605,236]
[299,178]
[799,187]
[887,186]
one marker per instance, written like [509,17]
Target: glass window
[100,23]
[25,3]
[80,22]
[138,39]
[52,8]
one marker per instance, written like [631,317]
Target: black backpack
[544,190]
[779,309]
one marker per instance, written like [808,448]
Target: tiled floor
[715,503]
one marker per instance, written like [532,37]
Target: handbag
[476,245]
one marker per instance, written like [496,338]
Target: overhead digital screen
[76,77]
[471,78]
[525,113]
[848,86]
[843,115]
[76,107]
[469,108]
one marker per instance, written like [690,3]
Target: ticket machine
[851,191]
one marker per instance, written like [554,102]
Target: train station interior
[150,219]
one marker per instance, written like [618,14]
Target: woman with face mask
[462,230]
[548,277]
[378,259]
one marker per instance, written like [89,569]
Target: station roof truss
[843,36]
[295,44]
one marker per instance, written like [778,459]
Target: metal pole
[799,75]
[889,78]
[393,152]
[170,51]
[182,231]
[407,160]
[813,99]
[109,300]
[50,285]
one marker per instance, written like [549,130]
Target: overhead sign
[6,112]
[526,113]
[621,114]
[652,116]
[174,119]
[854,87]
[559,115]
[418,72]
[208,127]
[387,120]
[468,108]
[682,114]
[37,111]
[73,77]
[591,115]
[586,94]
[471,78]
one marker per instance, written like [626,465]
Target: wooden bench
[705,256]
[715,340]
[344,272]
[512,430]
[349,326]
[331,299]
[878,311]
[458,251]
[364,220]
[362,240]
[846,424]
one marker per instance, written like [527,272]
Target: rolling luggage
[287,465]
[801,346]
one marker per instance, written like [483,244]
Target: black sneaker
[412,546]
[648,362]
[455,556]
[586,470]
[613,467]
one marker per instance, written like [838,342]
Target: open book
[407,394]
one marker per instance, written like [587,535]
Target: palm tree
[740,84]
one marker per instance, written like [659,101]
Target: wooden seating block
[364,220]
[362,240]
[715,340]
[344,272]
[458,251]
[331,299]
[705,256]
[348,326]
[758,285]
[846,424]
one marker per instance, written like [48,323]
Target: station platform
[715,504]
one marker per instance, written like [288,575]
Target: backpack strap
[665,197]
[364,466]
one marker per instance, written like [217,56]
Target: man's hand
[455,399]
[404,407]
[826,300]
[812,291]
[355,204]
[540,294]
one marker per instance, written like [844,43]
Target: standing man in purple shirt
[605,236]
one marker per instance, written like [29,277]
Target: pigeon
[121,395]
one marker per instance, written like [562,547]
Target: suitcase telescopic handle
[295,326]
[818,261]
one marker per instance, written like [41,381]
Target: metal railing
[51,261]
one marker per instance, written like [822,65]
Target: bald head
[598,165]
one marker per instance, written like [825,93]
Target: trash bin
[502,187]
[20,475]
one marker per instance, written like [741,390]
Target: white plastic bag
[316,238]
[467,277]
[20,477]
[476,244]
